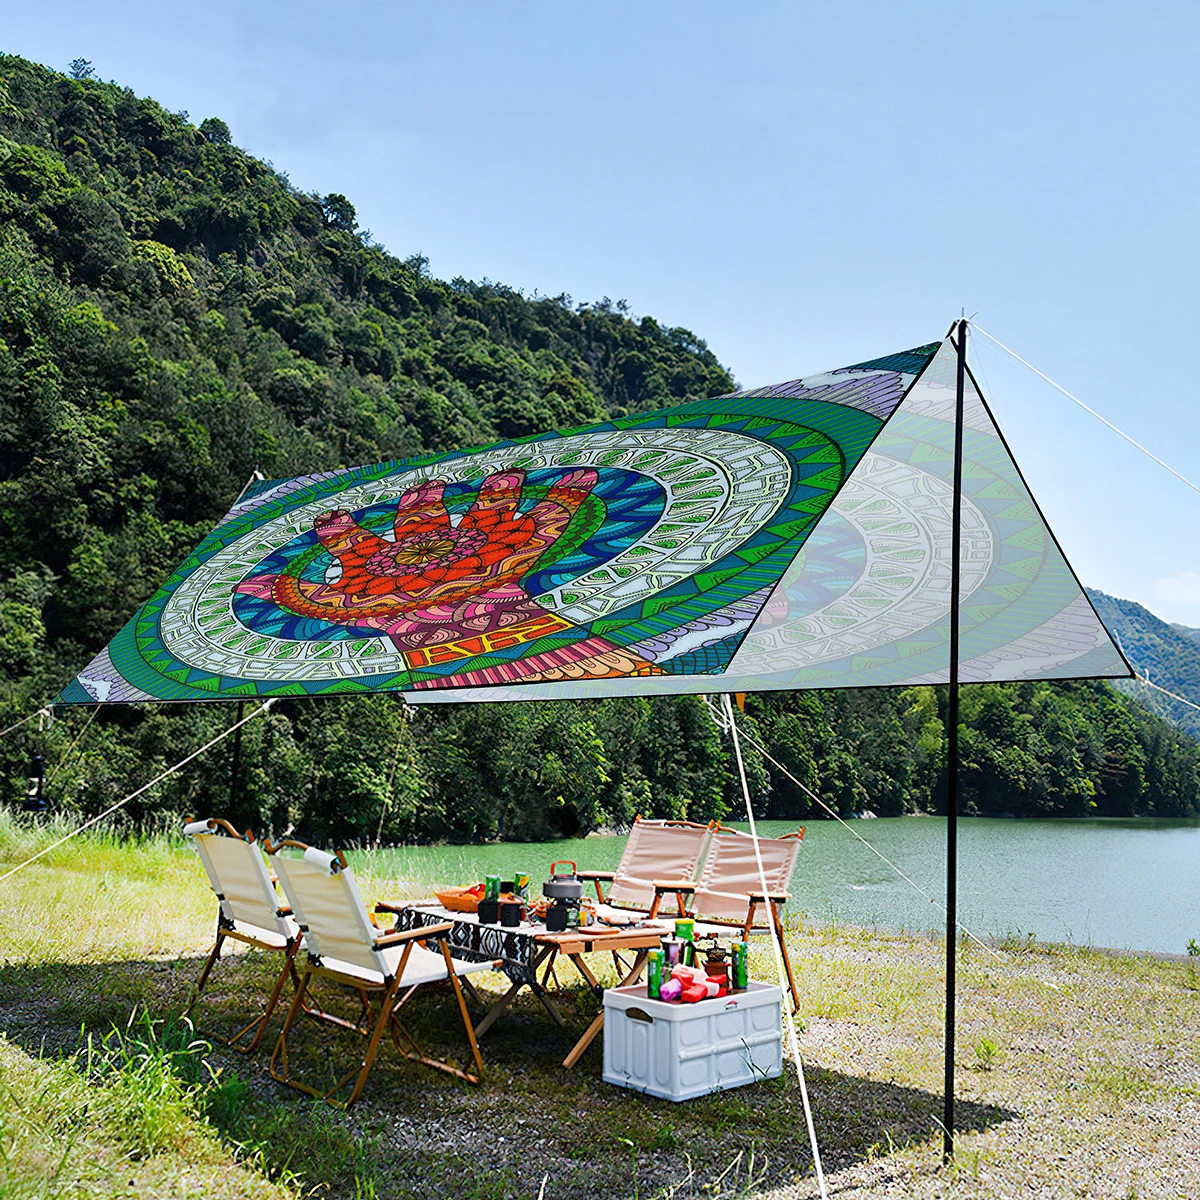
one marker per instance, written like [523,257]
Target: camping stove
[564,891]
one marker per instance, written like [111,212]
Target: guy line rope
[66,758]
[1058,387]
[854,832]
[134,795]
[784,991]
[41,712]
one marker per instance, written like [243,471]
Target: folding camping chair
[655,850]
[345,947]
[249,911]
[729,890]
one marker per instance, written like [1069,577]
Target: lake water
[1126,884]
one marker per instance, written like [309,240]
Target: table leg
[498,1010]
[551,1008]
[586,972]
[635,973]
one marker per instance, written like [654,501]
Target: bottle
[654,974]
[741,967]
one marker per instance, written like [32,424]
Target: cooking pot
[563,885]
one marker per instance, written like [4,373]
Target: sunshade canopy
[795,536]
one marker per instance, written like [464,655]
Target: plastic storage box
[678,1051]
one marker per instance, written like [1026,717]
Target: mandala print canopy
[795,536]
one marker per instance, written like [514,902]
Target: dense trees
[173,313]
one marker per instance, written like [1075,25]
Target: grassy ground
[1079,1071]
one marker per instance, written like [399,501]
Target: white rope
[41,712]
[776,935]
[256,476]
[1070,396]
[854,832]
[1182,699]
[62,762]
[134,795]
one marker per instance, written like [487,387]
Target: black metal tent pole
[952,751]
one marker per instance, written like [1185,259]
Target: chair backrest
[657,850]
[238,873]
[325,900]
[731,872]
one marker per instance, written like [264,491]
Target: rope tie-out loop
[1182,699]
[42,714]
[134,795]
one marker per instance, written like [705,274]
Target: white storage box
[678,1051]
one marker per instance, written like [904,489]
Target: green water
[1127,884]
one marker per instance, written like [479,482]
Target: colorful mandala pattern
[643,549]
[866,601]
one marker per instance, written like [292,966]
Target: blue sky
[802,185]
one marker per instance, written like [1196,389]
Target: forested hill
[1168,654]
[173,313]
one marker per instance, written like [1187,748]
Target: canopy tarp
[795,536]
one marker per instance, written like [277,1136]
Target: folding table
[525,949]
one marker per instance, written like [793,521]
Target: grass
[1079,1070]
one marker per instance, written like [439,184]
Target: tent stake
[952,753]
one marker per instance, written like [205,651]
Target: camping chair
[345,947]
[729,890]
[655,850]
[250,911]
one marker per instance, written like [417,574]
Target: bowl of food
[461,899]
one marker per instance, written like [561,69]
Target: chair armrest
[609,875]
[395,909]
[663,887]
[411,935]
[774,897]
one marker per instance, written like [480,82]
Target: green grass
[1085,1065]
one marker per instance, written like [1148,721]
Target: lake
[1126,884]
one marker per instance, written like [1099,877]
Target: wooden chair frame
[772,901]
[597,878]
[226,929]
[391,999]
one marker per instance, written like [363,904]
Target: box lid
[634,996]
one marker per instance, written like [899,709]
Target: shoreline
[1078,1070]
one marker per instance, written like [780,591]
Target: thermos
[672,952]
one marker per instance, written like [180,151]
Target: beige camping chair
[729,890]
[655,850]
[250,911]
[345,947]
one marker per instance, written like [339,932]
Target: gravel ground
[1078,1071]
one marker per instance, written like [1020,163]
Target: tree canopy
[174,313]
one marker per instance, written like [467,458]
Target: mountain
[173,313]
[1168,654]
